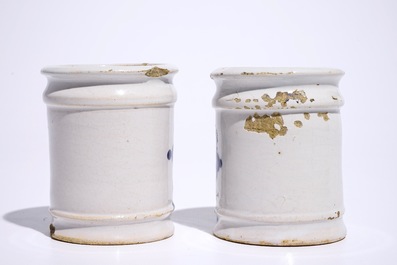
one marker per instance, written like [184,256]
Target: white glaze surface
[111,142]
[359,37]
[279,178]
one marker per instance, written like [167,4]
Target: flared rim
[148,69]
[261,72]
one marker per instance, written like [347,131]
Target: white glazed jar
[111,142]
[279,178]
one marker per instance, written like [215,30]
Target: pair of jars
[278,149]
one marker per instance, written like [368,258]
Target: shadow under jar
[279,178]
[111,142]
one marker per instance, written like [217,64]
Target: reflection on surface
[290,258]
[362,243]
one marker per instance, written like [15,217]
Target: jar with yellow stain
[279,179]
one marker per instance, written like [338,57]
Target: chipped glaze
[111,142]
[279,182]
[273,125]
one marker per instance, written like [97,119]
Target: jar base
[280,234]
[115,235]
[119,230]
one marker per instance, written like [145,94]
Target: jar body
[279,178]
[111,142]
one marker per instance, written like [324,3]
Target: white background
[359,37]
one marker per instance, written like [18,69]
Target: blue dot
[169,154]
[218,162]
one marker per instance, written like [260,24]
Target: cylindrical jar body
[279,178]
[111,144]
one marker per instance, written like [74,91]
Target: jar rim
[269,72]
[148,69]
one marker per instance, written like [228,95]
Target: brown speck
[156,72]
[284,97]
[296,242]
[289,242]
[247,100]
[324,115]
[334,98]
[52,230]
[263,243]
[273,73]
[272,125]
[298,124]
[312,99]
[284,242]
[247,73]
[279,153]
[267,73]
[306,115]
[337,215]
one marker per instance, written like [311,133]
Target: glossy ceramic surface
[279,179]
[111,144]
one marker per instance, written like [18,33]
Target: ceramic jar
[111,144]
[279,178]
